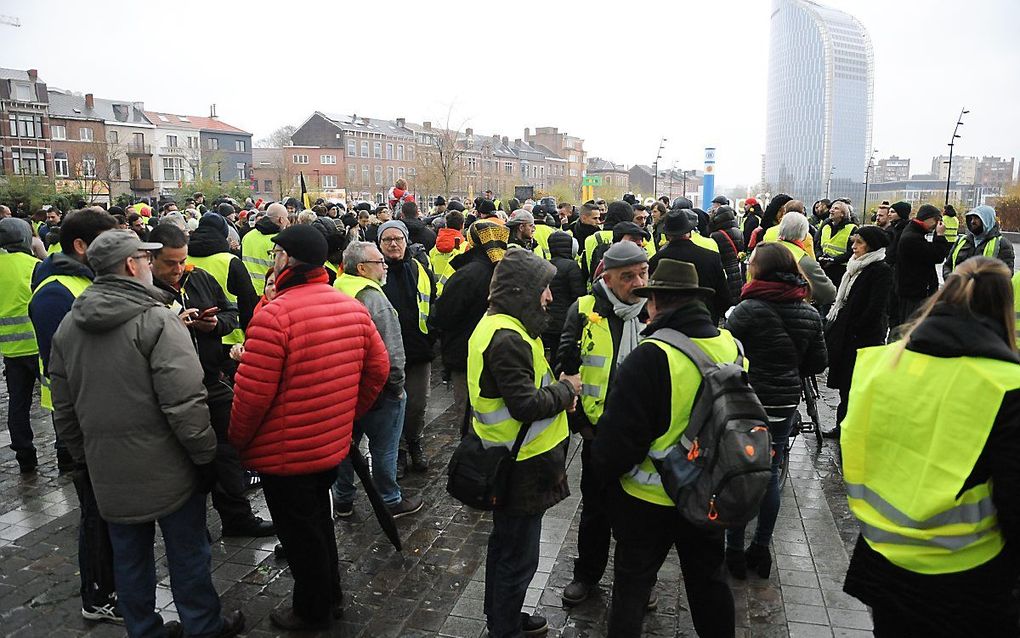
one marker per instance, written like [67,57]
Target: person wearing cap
[916,259]
[310,335]
[596,244]
[227,211]
[730,241]
[643,416]
[522,233]
[858,317]
[258,244]
[793,233]
[629,232]
[752,217]
[982,237]
[148,444]
[600,331]
[679,227]
[192,292]
[411,288]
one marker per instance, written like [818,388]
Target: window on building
[352,148]
[378,174]
[508,168]
[171,141]
[213,143]
[327,159]
[364,173]
[192,142]
[377,150]
[573,157]
[400,151]
[364,149]
[60,167]
[300,159]
[173,169]
[573,172]
[267,186]
[240,146]
[391,174]
[400,172]
[411,172]
[88,166]
[410,153]
[472,163]
[138,140]
[22,91]
[115,169]
[389,151]
[25,125]
[28,161]
[85,134]
[112,137]
[329,181]
[58,132]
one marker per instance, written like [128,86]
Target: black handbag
[479,477]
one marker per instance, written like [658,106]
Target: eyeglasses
[274,252]
[146,256]
[374,261]
[392,240]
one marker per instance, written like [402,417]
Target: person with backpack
[783,340]
[647,411]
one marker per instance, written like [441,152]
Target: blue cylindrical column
[708,190]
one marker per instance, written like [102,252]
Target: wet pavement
[435,586]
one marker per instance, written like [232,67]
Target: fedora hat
[673,276]
[678,222]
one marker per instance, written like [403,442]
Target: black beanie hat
[902,209]
[455,205]
[214,221]
[618,212]
[873,236]
[304,243]
[484,206]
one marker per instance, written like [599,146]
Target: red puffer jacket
[313,362]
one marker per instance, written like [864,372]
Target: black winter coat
[709,266]
[420,233]
[462,305]
[731,243]
[916,259]
[862,321]
[783,341]
[401,289]
[206,241]
[567,285]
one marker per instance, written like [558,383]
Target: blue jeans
[769,511]
[510,564]
[188,555]
[382,426]
[21,374]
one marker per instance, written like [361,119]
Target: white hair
[356,253]
[793,227]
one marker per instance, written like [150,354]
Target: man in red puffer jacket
[288,429]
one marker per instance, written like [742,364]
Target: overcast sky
[619,74]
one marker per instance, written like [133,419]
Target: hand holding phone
[188,316]
[208,312]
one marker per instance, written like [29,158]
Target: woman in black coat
[858,318]
[782,338]
[731,243]
[567,285]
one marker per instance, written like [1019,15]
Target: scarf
[784,288]
[628,313]
[853,268]
[301,274]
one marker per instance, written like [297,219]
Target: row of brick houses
[106,148]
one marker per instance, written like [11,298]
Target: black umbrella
[382,512]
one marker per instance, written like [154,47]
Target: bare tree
[440,153]
[278,138]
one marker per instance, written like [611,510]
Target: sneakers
[832,434]
[407,505]
[252,480]
[287,619]
[65,462]
[257,527]
[342,510]
[533,625]
[576,593]
[103,613]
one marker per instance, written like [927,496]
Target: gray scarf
[853,268]
[630,336]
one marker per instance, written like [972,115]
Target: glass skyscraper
[820,92]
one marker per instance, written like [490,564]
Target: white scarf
[630,336]
[853,268]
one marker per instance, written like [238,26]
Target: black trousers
[644,535]
[95,553]
[595,528]
[228,497]
[301,511]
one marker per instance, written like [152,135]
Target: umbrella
[382,512]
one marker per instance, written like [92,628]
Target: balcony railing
[172,150]
[139,149]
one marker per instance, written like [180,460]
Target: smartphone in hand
[208,312]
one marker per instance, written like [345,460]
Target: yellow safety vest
[597,358]
[835,245]
[424,297]
[643,480]
[705,242]
[597,238]
[330,266]
[990,249]
[440,262]
[75,285]
[952,225]
[906,456]
[441,279]
[542,233]
[772,234]
[255,249]
[490,417]
[1016,303]
[17,336]
[54,248]
[351,285]
[218,266]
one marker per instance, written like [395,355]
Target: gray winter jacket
[384,316]
[129,401]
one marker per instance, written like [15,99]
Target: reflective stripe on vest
[491,419]
[218,266]
[424,297]
[445,277]
[441,265]
[76,286]
[643,480]
[990,249]
[597,358]
[255,249]
[905,457]
[835,245]
[17,337]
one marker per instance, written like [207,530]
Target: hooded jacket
[566,286]
[51,302]
[768,219]
[538,483]
[448,240]
[128,399]
[975,244]
[724,231]
[916,259]
[463,303]
[206,241]
[419,233]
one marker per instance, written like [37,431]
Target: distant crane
[10,21]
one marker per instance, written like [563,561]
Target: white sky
[617,74]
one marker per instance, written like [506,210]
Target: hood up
[517,286]
[112,301]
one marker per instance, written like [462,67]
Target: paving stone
[802,595]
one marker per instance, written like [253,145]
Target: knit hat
[393,223]
[750,201]
[927,211]
[617,212]
[873,236]
[15,235]
[623,253]
[212,220]
[484,206]
[175,218]
[902,209]
[225,209]
[490,238]
[624,229]
[440,200]
[520,217]
[304,243]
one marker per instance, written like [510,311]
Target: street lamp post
[655,167]
[952,142]
[828,181]
[867,179]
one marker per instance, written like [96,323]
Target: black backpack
[718,472]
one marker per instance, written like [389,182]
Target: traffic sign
[592,180]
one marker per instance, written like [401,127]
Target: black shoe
[279,552]
[338,607]
[27,461]
[401,464]
[576,593]
[233,624]
[407,505]
[287,619]
[64,461]
[653,602]
[173,629]
[342,510]
[736,563]
[533,625]
[103,613]
[252,480]
[255,528]
[831,434]
[759,560]
[419,463]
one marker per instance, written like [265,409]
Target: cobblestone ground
[435,586]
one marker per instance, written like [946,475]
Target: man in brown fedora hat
[647,411]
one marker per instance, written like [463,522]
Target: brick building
[81,152]
[24,131]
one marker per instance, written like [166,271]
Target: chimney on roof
[469,132]
[527,133]
[33,74]
[90,101]
[139,106]
[506,141]
[426,125]
[495,139]
[517,142]
[400,122]
[212,111]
